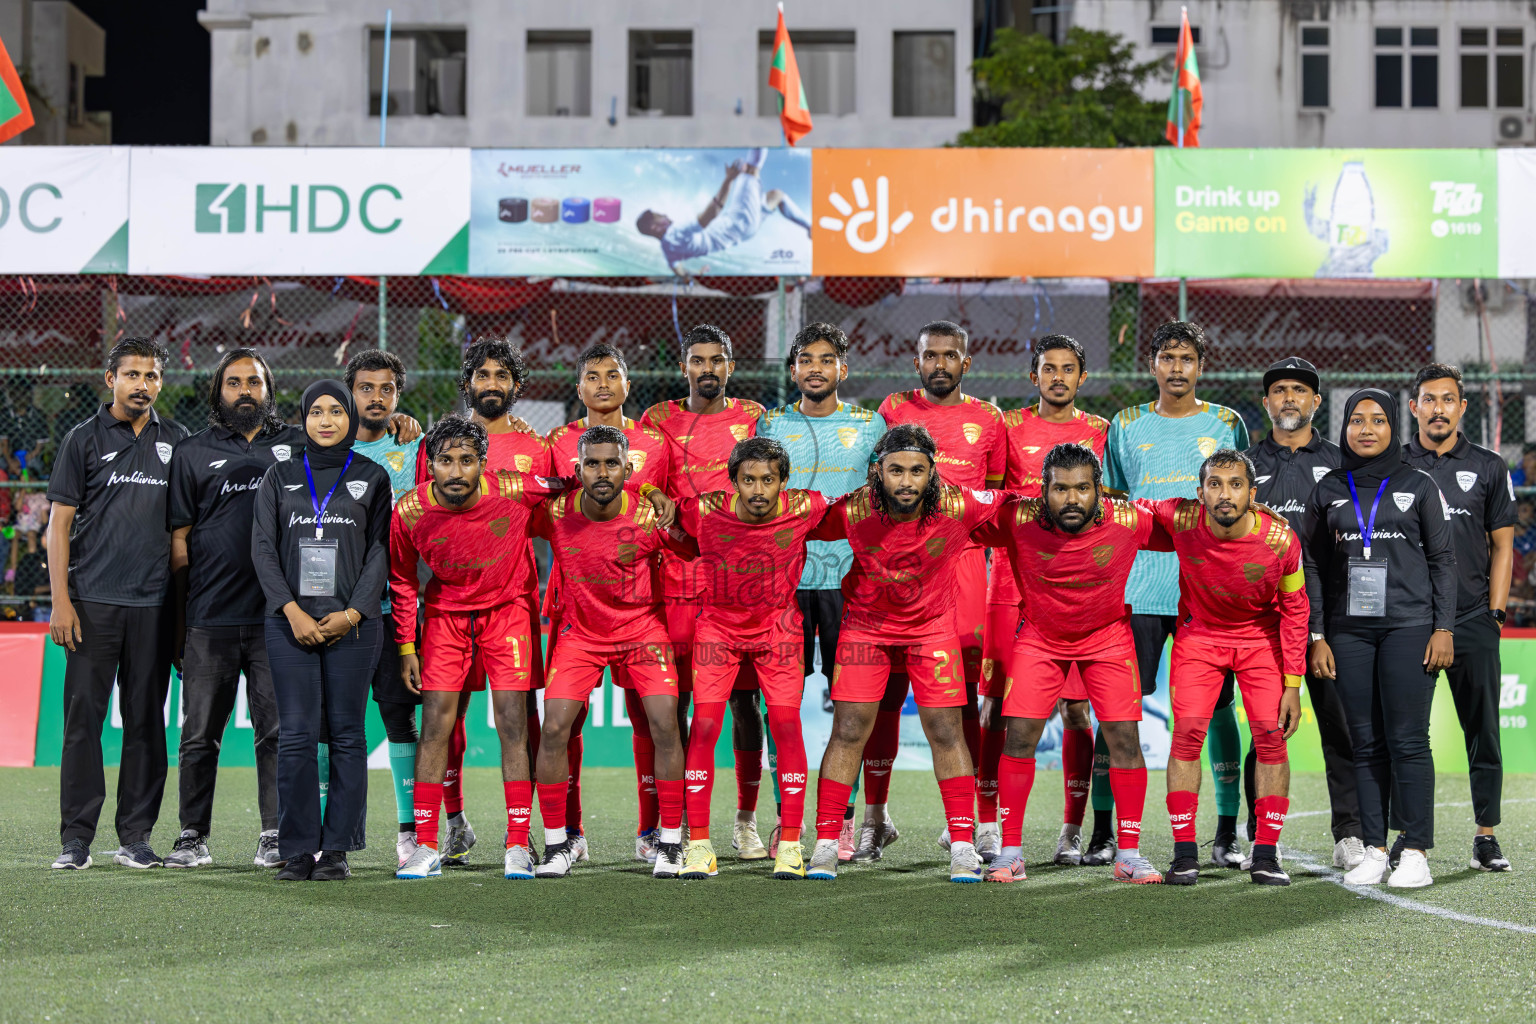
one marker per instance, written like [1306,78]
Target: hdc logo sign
[223,209]
[64,210]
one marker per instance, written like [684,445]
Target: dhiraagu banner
[1326,213]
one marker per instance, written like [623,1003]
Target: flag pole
[1179,100]
[389,19]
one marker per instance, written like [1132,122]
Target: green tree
[1085,92]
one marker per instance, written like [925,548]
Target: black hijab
[1377,468]
[336,454]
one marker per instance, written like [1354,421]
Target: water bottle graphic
[1349,228]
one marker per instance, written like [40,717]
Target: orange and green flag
[1185,103]
[784,75]
[15,111]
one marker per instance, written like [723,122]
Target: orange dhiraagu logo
[982,212]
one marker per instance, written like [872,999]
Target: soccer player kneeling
[1071,552]
[1242,609]
[610,617]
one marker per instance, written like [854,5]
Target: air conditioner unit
[1492,291]
[1514,130]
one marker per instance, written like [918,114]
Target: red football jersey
[972,449]
[478,555]
[648,453]
[1073,583]
[1238,593]
[1027,439]
[698,447]
[749,571]
[901,588]
[609,586]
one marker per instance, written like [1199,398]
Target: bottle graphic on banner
[1354,241]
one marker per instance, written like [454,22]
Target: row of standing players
[686,445]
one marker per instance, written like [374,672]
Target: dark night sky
[156,85]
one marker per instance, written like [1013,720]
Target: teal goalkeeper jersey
[1152,456]
[399,461]
[829,454]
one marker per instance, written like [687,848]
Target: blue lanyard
[1366,531]
[319,506]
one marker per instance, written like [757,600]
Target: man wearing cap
[1289,461]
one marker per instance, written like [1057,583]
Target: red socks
[428,796]
[552,803]
[708,719]
[831,804]
[749,776]
[1077,772]
[645,761]
[453,793]
[519,810]
[1129,787]
[1015,778]
[1271,812]
[669,798]
[1182,805]
[880,756]
[959,797]
[987,774]
[793,769]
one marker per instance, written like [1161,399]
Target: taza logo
[851,224]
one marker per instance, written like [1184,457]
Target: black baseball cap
[1293,368]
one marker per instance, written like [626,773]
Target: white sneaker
[746,842]
[669,860]
[823,866]
[579,847]
[989,841]
[944,839]
[1371,869]
[1412,871]
[645,845]
[1348,852]
[517,863]
[964,863]
[424,863]
[405,845]
[557,860]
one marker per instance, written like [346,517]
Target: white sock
[671,835]
[742,817]
[554,836]
[1134,851]
[874,812]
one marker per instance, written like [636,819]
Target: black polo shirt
[214,476]
[1481,499]
[1286,478]
[120,544]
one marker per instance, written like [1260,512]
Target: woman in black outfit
[1381,576]
[321,548]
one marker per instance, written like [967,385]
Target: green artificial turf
[894,941]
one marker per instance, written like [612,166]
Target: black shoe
[77,856]
[1267,872]
[298,869]
[331,867]
[137,855]
[1396,853]
[1101,851]
[1226,851]
[1486,855]
[1183,871]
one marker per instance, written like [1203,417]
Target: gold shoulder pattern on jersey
[409,509]
[1186,515]
[509,483]
[1123,513]
[1279,537]
[858,506]
[714,501]
[951,501]
[1028,511]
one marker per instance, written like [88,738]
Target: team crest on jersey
[1465,480]
[935,546]
[396,460]
[357,488]
[627,552]
[1207,446]
[500,525]
[636,460]
[1403,500]
[783,537]
[1252,572]
[988,666]
[972,431]
[739,431]
[524,463]
[164,451]
[282,452]
[847,435]
[1102,554]
[1318,472]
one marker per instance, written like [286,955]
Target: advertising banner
[300,211]
[640,212]
[1517,212]
[1326,213]
[64,210]
[983,212]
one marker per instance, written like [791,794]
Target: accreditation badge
[317,568]
[1367,591]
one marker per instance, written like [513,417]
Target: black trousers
[129,646]
[397,705]
[1387,697]
[1475,678]
[821,611]
[329,685]
[211,665]
[1150,634]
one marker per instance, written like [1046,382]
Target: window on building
[1389,67]
[826,62]
[1413,54]
[1492,67]
[661,73]
[923,82]
[1168,35]
[1509,67]
[426,71]
[1314,65]
[1424,67]
[1474,67]
[559,74]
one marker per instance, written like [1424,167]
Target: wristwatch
[1315,637]
[1499,615]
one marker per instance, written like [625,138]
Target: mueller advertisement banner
[64,209]
[640,212]
[1327,213]
[300,211]
[983,212]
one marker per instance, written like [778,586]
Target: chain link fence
[56,330]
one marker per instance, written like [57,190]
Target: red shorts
[997,647]
[1199,667]
[460,649]
[1110,682]
[682,617]
[864,666]
[576,668]
[971,609]
[778,666]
